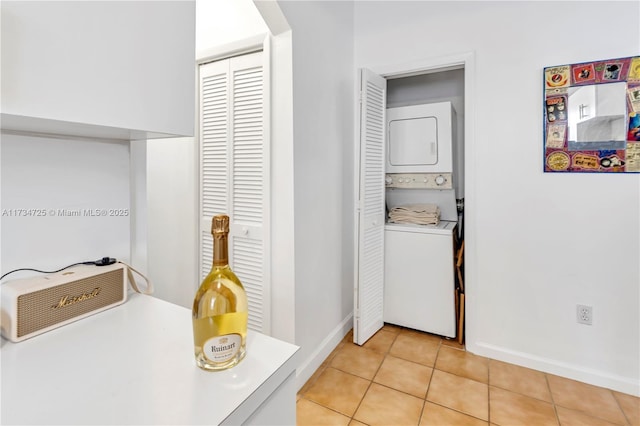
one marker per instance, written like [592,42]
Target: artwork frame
[591,118]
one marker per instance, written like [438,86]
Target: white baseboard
[586,375]
[328,344]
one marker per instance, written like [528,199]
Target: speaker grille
[48,307]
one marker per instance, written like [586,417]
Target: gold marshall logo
[70,300]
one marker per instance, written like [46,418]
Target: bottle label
[222,348]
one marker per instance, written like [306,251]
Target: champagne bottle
[220,309]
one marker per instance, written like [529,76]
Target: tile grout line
[457,375]
[325,407]
[553,402]
[433,370]
[319,370]
[489,392]
[374,376]
[585,413]
[624,413]
[463,349]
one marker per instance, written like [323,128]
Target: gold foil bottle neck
[220,224]
[220,231]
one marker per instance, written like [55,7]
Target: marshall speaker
[32,306]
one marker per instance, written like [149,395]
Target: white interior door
[369,276]
[235,173]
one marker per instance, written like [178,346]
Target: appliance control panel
[419,180]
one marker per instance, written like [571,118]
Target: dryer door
[413,141]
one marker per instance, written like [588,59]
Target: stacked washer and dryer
[419,280]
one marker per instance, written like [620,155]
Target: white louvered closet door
[369,282]
[235,171]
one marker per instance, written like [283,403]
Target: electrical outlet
[584,314]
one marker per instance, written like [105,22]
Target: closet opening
[414,226]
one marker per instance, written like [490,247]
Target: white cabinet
[234,172]
[121,70]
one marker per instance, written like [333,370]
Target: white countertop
[134,364]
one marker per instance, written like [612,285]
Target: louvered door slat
[206,253]
[248,147]
[248,265]
[214,119]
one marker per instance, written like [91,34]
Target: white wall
[283,253]
[225,22]
[538,244]
[323,94]
[172,232]
[63,201]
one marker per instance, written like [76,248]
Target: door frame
[465,61]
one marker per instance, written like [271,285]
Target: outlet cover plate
[584,314]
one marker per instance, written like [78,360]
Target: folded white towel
[421,214]
[418,208]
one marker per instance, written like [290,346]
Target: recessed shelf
[18,124]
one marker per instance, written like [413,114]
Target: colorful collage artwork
[592,116]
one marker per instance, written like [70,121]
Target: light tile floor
[405,377]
